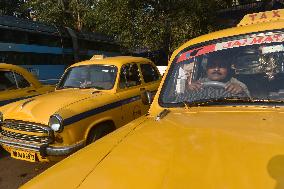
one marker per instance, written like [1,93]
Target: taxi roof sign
[98,57]
[261,17]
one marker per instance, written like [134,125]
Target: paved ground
[14,173]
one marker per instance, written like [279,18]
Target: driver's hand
[196,86]
[234,88]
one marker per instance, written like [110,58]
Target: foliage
[155,24]
[141,25]
[12,8]
[68,13]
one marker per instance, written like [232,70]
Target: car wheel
[99,131]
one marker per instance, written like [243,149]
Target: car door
[130,92]
[13,87]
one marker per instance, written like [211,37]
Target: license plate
[23,155]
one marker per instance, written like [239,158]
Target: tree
[155,25]
[68,13]
[12,8]
[147,25]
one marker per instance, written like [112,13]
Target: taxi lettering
[251,41]
[264,15]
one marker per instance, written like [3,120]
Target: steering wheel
[207,92]
[213,84]
[217,84]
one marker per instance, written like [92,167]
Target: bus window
[44,39]
[13,36]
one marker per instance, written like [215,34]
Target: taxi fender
[97,122]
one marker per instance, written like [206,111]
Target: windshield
[249,67]
[89,76]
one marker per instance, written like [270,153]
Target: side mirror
[146,97]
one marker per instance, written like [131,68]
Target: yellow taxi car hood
[199,148]
[40,108]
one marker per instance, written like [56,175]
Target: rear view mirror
[146,97]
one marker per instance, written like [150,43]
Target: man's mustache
[217,72]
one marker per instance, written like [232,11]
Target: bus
[46,50]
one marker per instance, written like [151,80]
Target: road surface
[14,173]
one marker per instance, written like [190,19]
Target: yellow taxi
[215,122]
[17,83]
[92,99]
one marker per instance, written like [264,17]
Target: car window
[22,82]
[7,80]
[90,76]
[250,64]
[149,73]
[129,76]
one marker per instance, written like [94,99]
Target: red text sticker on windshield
[250,41]
[260,39]
[196,52]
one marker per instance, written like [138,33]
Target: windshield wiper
[92,87]
[234,101]
[68,86]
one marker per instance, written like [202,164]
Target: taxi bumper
[43,149]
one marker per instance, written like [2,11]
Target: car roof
[116,61]
[12,67]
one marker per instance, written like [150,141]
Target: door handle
[142,89]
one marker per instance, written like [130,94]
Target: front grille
[29,138]
[27,132]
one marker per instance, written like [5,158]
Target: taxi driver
[219,81]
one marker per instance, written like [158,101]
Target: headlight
[55,123]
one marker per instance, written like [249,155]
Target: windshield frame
[59,87]
[200,45]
